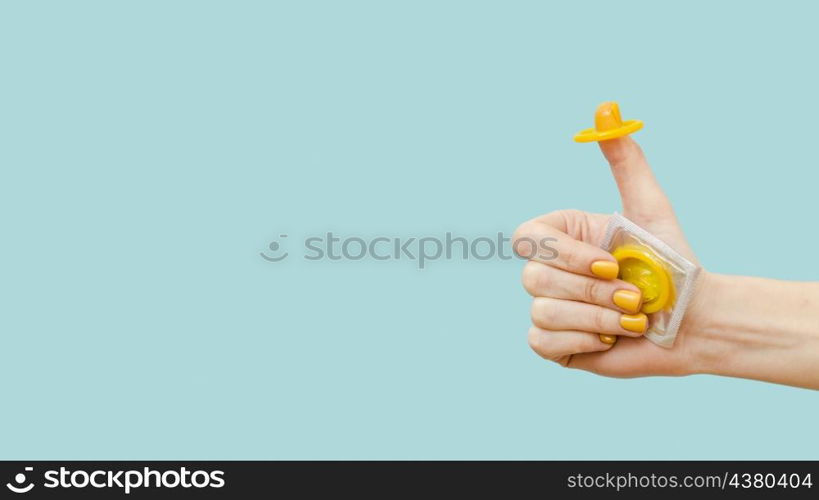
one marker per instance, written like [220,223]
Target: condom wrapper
[666,278]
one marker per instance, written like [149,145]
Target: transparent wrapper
[665,323]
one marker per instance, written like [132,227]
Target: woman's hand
[578,302]
[736,326]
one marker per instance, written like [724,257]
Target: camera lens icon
[20,478]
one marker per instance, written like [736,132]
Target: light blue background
[150,151]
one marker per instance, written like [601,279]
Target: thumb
[644,201]
[643,198]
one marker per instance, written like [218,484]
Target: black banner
[243,479]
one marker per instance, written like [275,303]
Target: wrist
[708,332]
[754,328]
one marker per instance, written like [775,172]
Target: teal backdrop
[151,150]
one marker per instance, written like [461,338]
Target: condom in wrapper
[665,278]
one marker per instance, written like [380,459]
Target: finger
[555,345]
[642,196]
[558,314]
[541,241]
[541,280]
[620,362]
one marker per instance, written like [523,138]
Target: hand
[576,294]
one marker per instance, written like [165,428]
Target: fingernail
[636,323]
[627,300]
[605,269]
[608,339]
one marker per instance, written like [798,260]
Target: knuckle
[534,277]
[543,312]
[525,231]
[523,240]
[571,259]
[592,290]
[599,319]
[539,343]
[521,231]
[534,339]
[576,222]
[571,214]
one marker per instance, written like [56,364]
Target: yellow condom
[639,267]
[608,125]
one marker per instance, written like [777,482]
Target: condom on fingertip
[665,278]
[608,125]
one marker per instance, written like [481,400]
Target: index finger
[539,241]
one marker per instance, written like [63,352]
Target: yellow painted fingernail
[605,269]
[634,322]
[608,339]
[627,300]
